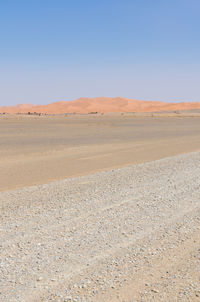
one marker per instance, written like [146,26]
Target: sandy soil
[36,150]
[128,234]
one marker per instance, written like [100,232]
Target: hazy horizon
[54,51]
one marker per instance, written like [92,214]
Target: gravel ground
[129,234]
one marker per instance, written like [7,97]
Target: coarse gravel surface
[130,234]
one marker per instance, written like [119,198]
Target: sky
[65,49]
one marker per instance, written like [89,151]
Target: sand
[36,150]
[101,104]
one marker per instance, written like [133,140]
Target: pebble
[95,238]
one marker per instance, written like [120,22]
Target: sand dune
[104,105]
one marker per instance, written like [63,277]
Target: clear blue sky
[64,49]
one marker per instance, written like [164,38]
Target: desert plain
[41,149]
[100,207]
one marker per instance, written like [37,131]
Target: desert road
[128,234]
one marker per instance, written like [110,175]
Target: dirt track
[129,234]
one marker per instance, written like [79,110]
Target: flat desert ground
[99,208]
[37,150]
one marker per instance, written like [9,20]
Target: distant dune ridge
[101,105]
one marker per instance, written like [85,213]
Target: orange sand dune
[104,105]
